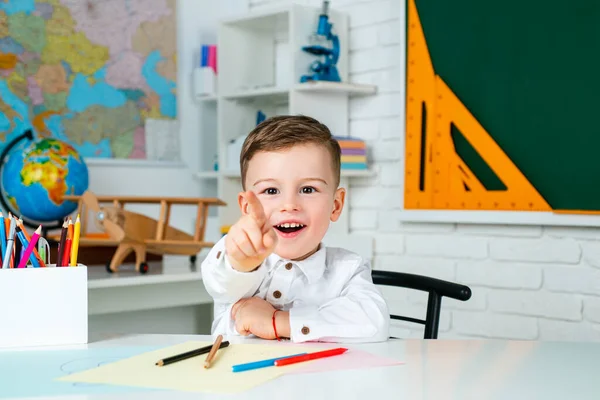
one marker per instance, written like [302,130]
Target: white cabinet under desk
[170,298]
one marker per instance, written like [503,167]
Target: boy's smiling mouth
[289,229]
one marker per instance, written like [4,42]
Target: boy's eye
[308,189]
[271,191]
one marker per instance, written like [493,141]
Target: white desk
[461,370]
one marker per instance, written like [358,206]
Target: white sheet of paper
[190,374]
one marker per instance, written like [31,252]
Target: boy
[270,276]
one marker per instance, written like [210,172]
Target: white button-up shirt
[330,295]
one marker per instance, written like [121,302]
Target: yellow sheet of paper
[190,374]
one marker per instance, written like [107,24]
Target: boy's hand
[252,238]
[254,316]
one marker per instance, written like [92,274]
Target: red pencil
[65,260]
[68,243]
[310,356]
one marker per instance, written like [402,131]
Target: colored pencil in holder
[29,247]
[35,251]
[62,242]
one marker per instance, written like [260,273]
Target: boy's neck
[310,253]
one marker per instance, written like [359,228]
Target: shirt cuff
[229,323]
[303,323]
[308,324]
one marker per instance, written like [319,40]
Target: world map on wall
[88,72]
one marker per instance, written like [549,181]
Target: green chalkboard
[529,71]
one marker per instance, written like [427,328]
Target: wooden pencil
[188,354]
[62,242]
[75,242]
[18,246]
[213,351]
[68,243]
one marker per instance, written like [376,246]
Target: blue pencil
[259,364]
[10,241]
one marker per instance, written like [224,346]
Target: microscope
[325,69]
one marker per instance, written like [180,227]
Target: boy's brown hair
[285,131]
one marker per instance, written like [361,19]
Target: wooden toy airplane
[132,231]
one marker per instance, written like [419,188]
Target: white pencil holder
[43,306]
[205,82]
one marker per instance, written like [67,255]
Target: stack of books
[354,153]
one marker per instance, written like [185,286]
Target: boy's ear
[338,204]
[243,203]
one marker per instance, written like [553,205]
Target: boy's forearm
[358,317]
[223,282]
[282,323]
[238,267]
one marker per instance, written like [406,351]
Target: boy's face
[296,188]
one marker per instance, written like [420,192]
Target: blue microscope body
[326,69]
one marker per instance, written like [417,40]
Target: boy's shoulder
[339,256]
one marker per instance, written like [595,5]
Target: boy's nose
[290,206]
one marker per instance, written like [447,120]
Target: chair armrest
[423,283]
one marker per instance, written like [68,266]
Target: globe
[36,176]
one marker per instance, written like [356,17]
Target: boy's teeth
[292,225]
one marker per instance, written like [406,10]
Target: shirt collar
[313,267]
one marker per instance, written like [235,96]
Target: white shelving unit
[260,62]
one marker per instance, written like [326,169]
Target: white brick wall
[528,282]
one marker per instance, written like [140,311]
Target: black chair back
[436,288]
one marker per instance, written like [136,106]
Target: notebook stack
[354,153]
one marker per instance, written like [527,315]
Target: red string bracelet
[274,327]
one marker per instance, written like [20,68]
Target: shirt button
[218,255]
[277,294]
[305,330]
[288,266]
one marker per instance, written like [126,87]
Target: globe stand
[28,134]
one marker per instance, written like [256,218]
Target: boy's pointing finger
[255,208]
